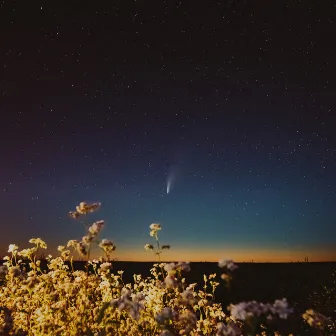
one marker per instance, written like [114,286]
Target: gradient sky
[233,103]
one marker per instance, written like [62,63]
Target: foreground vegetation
[56,299]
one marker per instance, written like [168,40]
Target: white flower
[149,247]
[229,264]
[125,302]
[72,243]
[12,248]
[170,267]
[281,308]
[243,310]
[238,311]
[107,245]
[155,226]
[170,281]
[188,297]
[231,329]
[184,266]
[87,239]
[84,208]
[105,266]
[96,227]
[188,319]
[27,252]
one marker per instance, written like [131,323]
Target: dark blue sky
[234,103]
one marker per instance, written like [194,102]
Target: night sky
[230,103]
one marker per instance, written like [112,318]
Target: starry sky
[229,104]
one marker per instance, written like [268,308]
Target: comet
[169,183]
[171,178]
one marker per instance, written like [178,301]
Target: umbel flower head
[227,263]
[155,227]
[149,247]
[38,242]
[107,245]
[84,208]
[96,227]
[12,248]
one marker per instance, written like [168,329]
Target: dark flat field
[254,281]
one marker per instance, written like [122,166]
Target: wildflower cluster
[255,310]
[55,299]
[83,247]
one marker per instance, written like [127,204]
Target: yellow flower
[38,242]
[60,248]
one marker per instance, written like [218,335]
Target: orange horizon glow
[237,255]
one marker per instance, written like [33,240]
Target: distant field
[254,281]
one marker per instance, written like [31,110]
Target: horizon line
[203,261]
